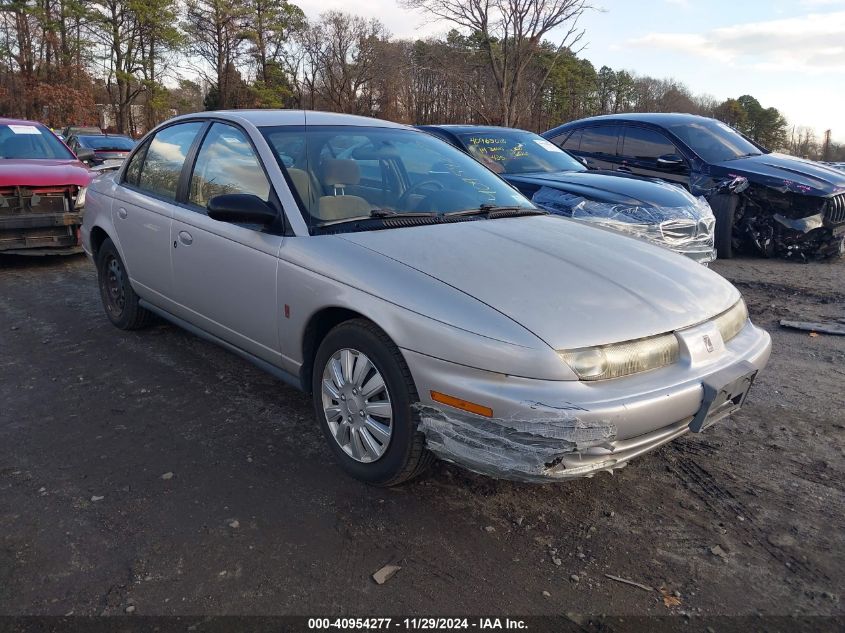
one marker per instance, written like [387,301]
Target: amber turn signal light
[463,405]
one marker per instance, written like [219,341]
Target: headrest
[339,172]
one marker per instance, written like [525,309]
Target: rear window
[31,141]
[101,142]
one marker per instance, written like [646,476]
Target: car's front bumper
[551,430]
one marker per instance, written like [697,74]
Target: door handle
[122,213]
[185,238]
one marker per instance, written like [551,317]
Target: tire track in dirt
[726,506]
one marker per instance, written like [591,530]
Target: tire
[724,209]
[119,299]
[359,420]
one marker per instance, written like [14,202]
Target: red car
[42,191]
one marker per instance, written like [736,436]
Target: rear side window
[599,140]
[164,158]
[573,142]
[646,144]
[133,168]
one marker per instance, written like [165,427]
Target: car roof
[5,121]
[463,129]
[92,135]
[655,118]
[264,118]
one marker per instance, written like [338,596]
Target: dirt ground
[154,470]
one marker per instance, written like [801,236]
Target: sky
[789,54]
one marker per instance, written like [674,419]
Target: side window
[133,168]
[573,142]
[164,158]
[226,163]
[599,140]
[646,144]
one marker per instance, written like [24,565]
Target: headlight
[622,359]
[80,198]
[732,320]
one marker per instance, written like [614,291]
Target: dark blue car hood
[786,173]
[606,186]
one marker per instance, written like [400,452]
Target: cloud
[813,44]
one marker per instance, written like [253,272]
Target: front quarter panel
[417,312]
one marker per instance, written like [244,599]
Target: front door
[225,274]
[647,152]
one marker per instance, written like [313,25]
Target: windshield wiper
[388,213]
[377,214]
[746,155]
[496,211]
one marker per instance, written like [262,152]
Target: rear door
[143,209]
[648,152]
[225,274]
[597,145]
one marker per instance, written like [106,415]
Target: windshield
[118,143]
[31,140]
[346,173]
[714,141]
[515,152]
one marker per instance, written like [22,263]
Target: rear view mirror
[85,155]
[240,208]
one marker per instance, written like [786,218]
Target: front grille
[836,209]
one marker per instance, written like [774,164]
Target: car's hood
[569,283]
[612,187]
[788,173]
[43,173]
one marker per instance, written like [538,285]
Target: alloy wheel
[357,405]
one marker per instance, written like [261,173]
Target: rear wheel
[363,396]
[724,210]
[119,300]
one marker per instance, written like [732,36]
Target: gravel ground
[153,470]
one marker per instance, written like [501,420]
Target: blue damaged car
[786,206]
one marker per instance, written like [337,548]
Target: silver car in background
[428,307]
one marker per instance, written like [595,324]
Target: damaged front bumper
[40,221]
[546,431]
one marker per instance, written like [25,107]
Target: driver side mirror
[241,208]
[85,155]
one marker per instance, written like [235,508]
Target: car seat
[337,174]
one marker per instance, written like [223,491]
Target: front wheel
[363,396]
[724,210]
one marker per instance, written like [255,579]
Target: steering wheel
[400,203]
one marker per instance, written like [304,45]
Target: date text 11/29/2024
[411,624]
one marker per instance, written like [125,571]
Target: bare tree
[510,33]
[341,61]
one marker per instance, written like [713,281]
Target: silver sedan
[428,307]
